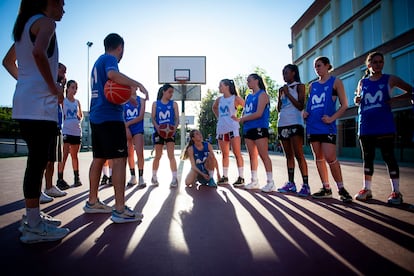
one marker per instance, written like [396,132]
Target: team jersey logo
[318,101]
[248,108]
[373,101]
[71,114]
[131,113]
[224,110]
[164,117]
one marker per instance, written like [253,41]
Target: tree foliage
[207,121]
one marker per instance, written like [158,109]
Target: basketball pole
[183,98]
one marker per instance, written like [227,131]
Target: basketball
[166,131]
[117,93]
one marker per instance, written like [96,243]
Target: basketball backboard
[176,69]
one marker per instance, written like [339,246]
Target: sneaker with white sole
[174,183]
[252,185]
[44,198]
[141,182]
[97,207]
[44,217]
[133,181]
[289,187]
[43,232]
[55,192]
[154,181]
[270,187]
[127,215]
[363,195]
[395,198]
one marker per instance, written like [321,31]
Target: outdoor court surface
[223,231]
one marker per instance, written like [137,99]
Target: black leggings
[386,144]
[38,135]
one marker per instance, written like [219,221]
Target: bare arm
[339,86]
[215,107]
[9,62]
[395,81]
[44,29]
[300,102]
[153,114]
[176,115]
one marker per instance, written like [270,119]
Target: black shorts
[323,138]
[158,140]
[72,140]
[109,140]
[257,133]
[54,147]
[285,132]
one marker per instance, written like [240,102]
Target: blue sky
[235,36]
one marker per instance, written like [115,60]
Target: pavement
[223,231]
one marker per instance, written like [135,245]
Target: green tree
[207,121]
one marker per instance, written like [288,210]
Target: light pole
[89,44]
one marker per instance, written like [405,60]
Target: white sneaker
[132,181]
[44,198]
[98,207]
[43,232]
[44,217]
[154,181]
[141,182]
[252,185]
[270,187]
[55,192]
[174,183]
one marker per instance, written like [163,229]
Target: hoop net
[181,80]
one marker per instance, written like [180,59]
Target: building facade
[345,31]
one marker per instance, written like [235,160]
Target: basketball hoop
[181,80]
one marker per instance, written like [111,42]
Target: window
[326,23]
[311,68]
[403,62]
[345,10]
[311,35]
[299,46]
[346,47]
[327,51]
[350,84]
[349,131]
[403,15]
[371,31]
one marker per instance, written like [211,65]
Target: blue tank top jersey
[101,109]
[375,115]
[130,113]
[164,113]
[200,156]
[320,103]
[250,107]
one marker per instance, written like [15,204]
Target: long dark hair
[162,89]
[260,79]
[231,85]
[294,68]
[27,9]
[190,143]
